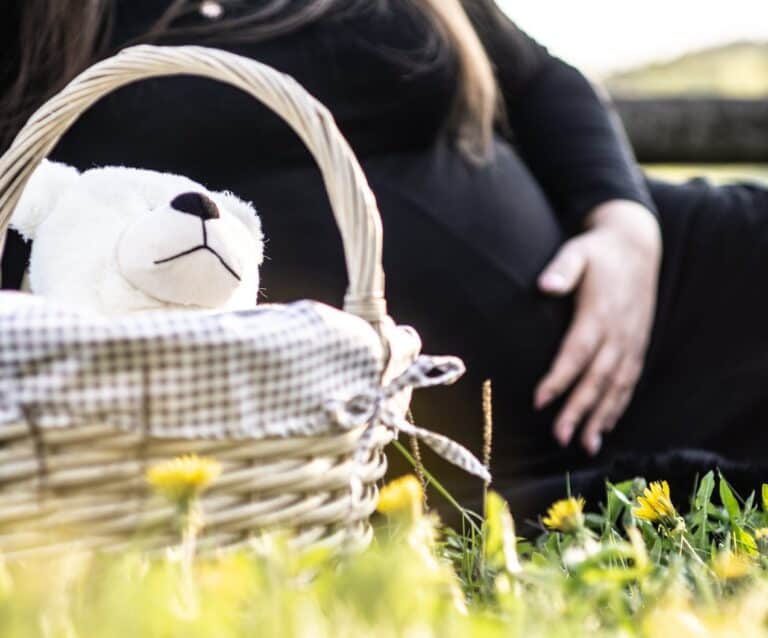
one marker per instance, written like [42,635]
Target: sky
[600,36]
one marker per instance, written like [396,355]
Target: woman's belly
[496,211]
[455,235]
[463,247]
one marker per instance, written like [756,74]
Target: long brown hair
[59,39]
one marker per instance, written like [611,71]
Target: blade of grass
[465,513]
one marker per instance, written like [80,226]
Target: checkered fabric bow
[373,408]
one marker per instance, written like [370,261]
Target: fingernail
[594,444]
[563,433]
[553,281]
[542,398]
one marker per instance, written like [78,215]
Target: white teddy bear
[120,240]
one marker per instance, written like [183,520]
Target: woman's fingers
[560,277]
[612,405]
[565,270]
[588,393]
[576,352]
[613,269]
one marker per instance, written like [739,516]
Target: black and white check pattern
[278,370]
[265,372]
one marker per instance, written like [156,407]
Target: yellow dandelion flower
[655,505]
[565,515]
[731,566]
[184,477]
[404,495]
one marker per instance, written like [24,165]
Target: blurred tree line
[707,106]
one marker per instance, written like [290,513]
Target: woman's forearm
[567,137]
[561,127]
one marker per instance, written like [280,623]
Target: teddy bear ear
[47,184]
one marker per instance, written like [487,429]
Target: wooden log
[699,130]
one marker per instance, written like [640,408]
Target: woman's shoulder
[365,61]
[376,50]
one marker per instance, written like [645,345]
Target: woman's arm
[560,126]
[16,253]
[568,140]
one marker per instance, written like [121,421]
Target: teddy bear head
[118,240]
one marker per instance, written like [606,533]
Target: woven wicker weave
[90,479]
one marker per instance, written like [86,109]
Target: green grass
[701,572]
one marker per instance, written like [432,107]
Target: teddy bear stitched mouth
[203,246]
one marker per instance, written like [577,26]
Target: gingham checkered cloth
[277,370]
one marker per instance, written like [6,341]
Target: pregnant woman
[622,321]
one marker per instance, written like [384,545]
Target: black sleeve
[562,129]
[16,254]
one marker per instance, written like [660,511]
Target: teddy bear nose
[196,204]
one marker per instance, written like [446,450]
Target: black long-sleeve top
[373,69]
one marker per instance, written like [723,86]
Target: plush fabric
[119,240]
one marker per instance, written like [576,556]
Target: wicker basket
[90,479]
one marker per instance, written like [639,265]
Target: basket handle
[352,201]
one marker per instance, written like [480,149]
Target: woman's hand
[613,269]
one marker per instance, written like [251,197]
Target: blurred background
[688,78]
